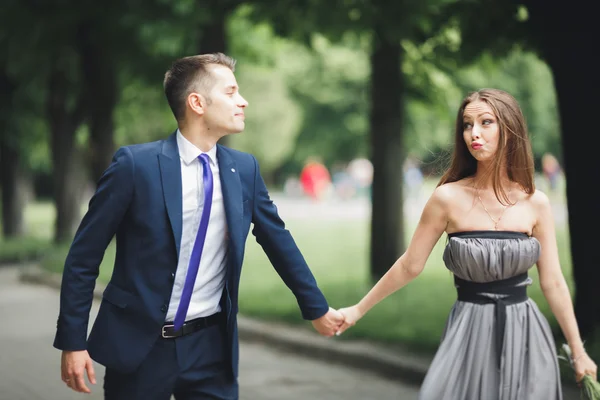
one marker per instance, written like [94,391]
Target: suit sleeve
[282,251]
[100,223]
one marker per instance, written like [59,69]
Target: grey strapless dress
[466,365]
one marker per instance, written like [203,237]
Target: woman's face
[480,130]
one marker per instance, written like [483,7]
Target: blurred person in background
[413,177]
[342,182]
[496,345]
[551,169]
[292,187]
[181,209]
[361,171]
[315,179]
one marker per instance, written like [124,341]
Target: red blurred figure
[315,179]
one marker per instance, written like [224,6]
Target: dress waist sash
[504,292]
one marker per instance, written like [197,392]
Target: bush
[21,250]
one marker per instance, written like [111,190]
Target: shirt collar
[188,152]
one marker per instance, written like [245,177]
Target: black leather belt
[168,331]
[512,292]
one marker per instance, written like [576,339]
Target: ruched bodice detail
[490,256]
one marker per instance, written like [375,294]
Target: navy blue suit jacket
[139,199]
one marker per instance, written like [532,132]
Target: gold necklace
[495,221]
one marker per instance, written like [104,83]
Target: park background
[334,81]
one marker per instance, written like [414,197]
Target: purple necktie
[192,271]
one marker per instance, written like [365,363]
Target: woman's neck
[484,177]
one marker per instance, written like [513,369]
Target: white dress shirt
[210,280]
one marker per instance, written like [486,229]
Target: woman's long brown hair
[514,148]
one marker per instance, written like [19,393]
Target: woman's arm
[431,226]
[555,287]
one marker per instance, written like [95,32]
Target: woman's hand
[584,365]
[351,316]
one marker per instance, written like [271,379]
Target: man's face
[224,105]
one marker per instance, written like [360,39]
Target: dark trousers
[191,367]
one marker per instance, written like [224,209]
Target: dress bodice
[484,256]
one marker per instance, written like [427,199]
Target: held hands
[329,324]
[73,365]
[335,322]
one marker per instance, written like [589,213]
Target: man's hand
[73,364]
[329,323]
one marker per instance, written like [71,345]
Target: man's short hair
[189,74]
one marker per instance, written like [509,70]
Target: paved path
[29,365]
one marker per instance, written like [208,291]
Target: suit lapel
[170,171]
[232,196]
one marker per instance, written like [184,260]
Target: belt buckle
[164,334]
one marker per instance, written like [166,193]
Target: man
[181,209]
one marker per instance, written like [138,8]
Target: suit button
[163,308]
[173,276]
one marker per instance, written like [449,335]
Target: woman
[497,344]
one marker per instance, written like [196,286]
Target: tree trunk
[387,88]
[564,31]
[13,183]
[67,171]
[11,171]
[214,35]
[100,77]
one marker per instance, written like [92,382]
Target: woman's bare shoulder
[449,192]
[539,199]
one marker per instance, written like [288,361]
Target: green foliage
[272,117]
[142,114]
[330,82]
[306,98]
[299,19]
[253,42]
[23,249]
[335,100]
[304,101]
[53,260]
[484,25]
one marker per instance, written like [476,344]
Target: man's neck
[201,138]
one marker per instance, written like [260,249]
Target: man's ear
[197,103]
